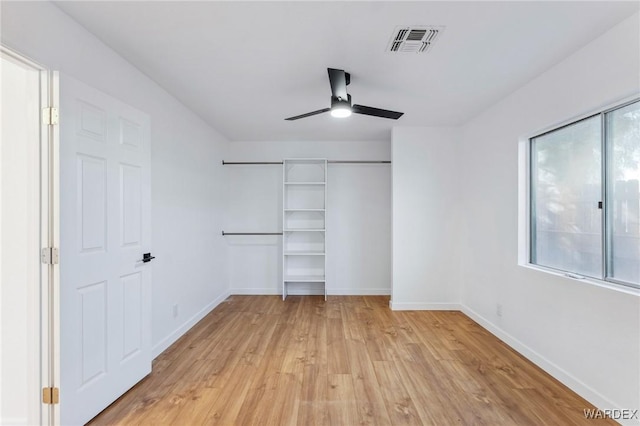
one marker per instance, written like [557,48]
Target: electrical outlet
[499,310]
[175,310]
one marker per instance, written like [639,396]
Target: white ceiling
[245,66]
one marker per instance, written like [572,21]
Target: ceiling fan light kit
[341,108]
[341,101]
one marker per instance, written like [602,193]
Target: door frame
[49,236]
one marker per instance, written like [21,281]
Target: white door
[105,294]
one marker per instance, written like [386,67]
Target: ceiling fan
[341,101]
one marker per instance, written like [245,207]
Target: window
[585,197]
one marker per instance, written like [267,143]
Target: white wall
[358,216]
[425,239]
[187,178]
[587,336]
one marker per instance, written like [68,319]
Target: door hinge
[50,116]
[50,396]
[49,256]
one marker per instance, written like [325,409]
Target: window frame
[606,216]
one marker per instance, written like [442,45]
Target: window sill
[587,280]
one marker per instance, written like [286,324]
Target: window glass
[566,186]
[623,193]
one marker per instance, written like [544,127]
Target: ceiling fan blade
[376,112]
[338,81]
[309,114]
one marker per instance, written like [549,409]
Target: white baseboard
[161,346]
[554,370]
[298,291]
[257,291]
[359,291]
[307,290]
[395,306]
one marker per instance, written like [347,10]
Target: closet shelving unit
[304,202]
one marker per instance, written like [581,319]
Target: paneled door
[105,293]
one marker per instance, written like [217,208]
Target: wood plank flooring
[347,361]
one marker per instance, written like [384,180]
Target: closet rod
[359,161]
[251,233]
[235,163]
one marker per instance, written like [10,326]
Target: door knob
[147,257]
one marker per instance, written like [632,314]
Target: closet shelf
[304,278]
[305,183]
[303,253]
[304,203]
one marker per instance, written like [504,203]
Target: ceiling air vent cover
[414,39]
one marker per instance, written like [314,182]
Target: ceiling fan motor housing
[337,102]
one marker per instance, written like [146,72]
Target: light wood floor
[348,361]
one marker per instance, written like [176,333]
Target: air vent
[414,39]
